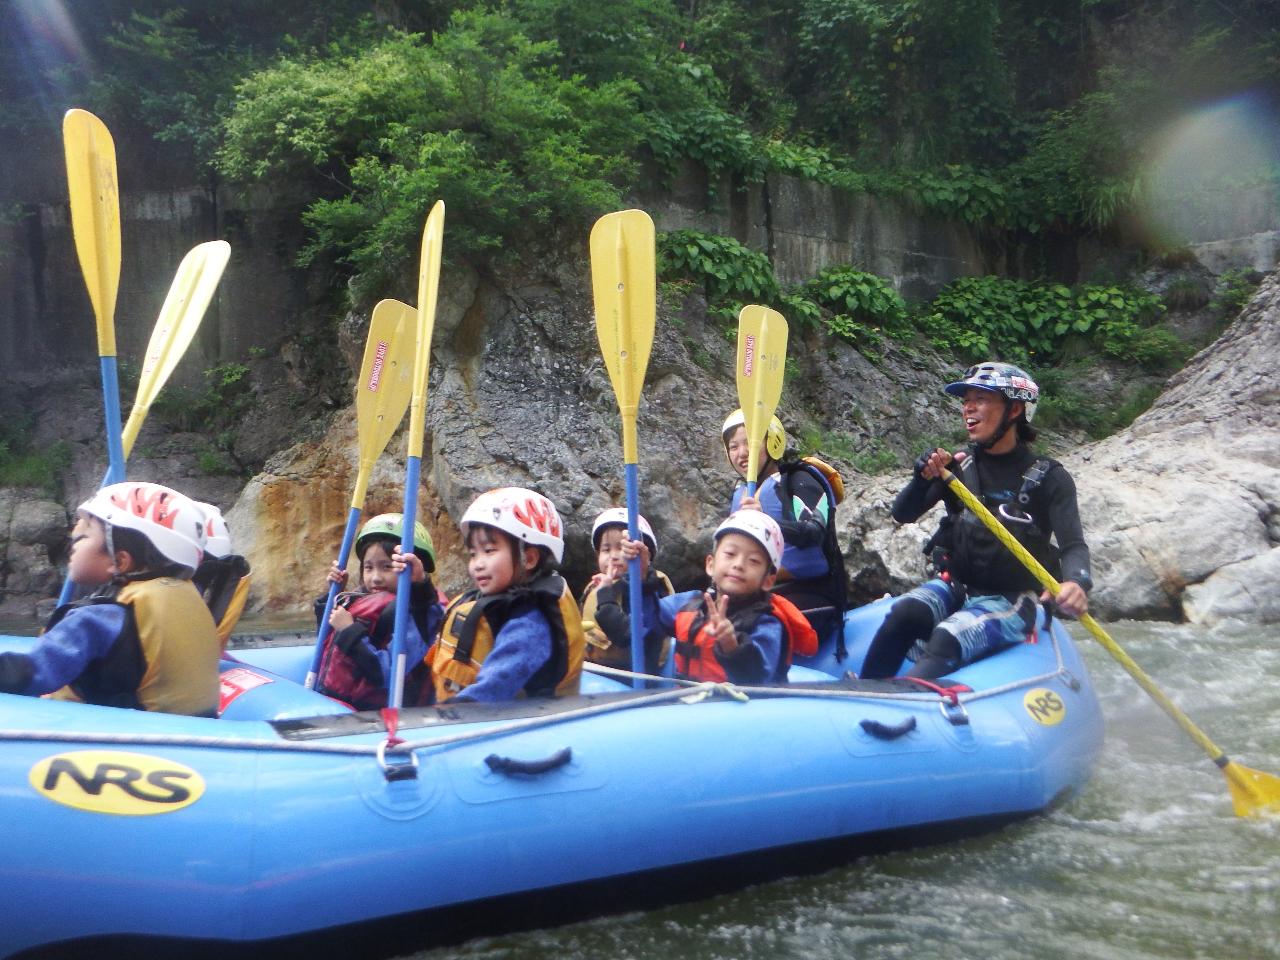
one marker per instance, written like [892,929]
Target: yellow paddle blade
[428,284]
[623,281]
[184,307]
[1253,793]
[385,385]
[762,359]
[95,215]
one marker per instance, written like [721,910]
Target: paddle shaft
[1118,654]
[348,537]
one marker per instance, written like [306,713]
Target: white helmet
[760,527]
[775,434]
[217,535]
[528,516]
[174,523]
[617,517]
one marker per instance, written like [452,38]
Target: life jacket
[695,650]
[166,657]
[473,620]
[224,584]
[817,569]
[338,675]
[973,555]
[600,649]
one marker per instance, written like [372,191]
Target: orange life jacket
[695,650]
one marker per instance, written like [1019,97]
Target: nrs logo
[117,783]
[1045,706]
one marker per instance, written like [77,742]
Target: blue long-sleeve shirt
[64,651]
[521,647]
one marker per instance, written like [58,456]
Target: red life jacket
[338,675]
[695,650]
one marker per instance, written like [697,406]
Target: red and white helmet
[217,535]
[528,516]
[760,527]
[174,523]
[617,517]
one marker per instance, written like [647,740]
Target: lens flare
[1214,173]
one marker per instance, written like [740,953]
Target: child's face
[740,453]
[610,559]
[90,564]
[739,566]
[491,560]
[376,572]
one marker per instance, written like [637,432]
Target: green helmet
[391,526]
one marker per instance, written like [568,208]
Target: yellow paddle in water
[762,358]
[1253,792]
[184,307]
[624,282]
[383,390]
[428,284]
[95,223]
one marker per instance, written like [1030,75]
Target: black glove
[351,642]
[16,671]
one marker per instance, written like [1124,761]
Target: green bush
[730,272]
[22,463]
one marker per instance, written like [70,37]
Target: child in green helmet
[356,659]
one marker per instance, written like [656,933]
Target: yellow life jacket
[600,649]
[472,621]
[166,657]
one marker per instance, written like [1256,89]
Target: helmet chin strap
[1006,422]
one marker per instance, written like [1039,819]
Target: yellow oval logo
[1045,706]
[117,783]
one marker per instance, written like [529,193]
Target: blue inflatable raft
[291,826]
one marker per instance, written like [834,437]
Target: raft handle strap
[406,769]
[510,766]
[888,731]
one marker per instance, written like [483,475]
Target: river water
[1148,862]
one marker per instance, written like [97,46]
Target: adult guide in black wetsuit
[985,599]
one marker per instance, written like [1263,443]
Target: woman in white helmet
[143,638]
[983,599]
[519,631]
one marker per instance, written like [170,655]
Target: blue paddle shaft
[632,472]
[751,488]
[348,536]
[395,682]
[115,445]
[111,406]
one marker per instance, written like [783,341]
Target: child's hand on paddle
[718,626]
[750,503]
[400,560]
[337,575]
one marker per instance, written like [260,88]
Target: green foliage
[1016,320]
[863,298]
[1234,290]
[1063,406]
[216,412]
[23,463]
[730,272]
[477,117]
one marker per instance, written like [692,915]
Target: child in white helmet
[801,495]
[143,638]
[738,630]
[519,631]
[223,576]
[355,660]
[606,601]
